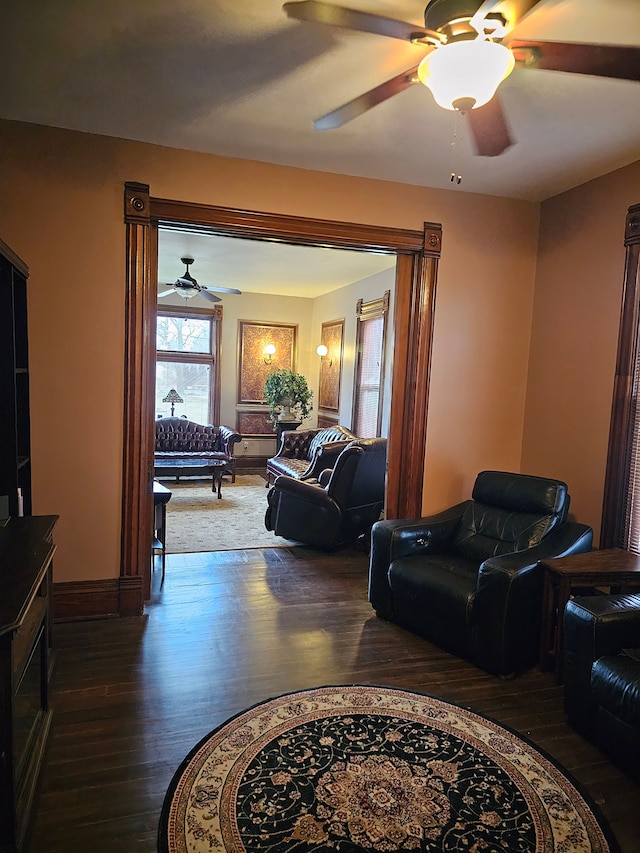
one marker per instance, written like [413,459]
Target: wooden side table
[609,568]
[282,426]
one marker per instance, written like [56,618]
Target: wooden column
[414,314]
[137,532]
[623,405]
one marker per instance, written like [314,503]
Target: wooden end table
[611,568]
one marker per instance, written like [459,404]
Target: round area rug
[364,768]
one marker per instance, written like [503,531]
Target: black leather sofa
[602,674]
[469,579]
[339,507]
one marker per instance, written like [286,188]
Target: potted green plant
[288,395]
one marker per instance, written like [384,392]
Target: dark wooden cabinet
[26,559]
[15,441]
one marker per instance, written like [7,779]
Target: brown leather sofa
[303,454]
[179,438]
[469,579]
[602,673]
[337,509]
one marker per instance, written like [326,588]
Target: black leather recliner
[469,578]
[337,509]
[602,673]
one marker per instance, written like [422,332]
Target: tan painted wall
[341,304]
[62,212]
[575,332]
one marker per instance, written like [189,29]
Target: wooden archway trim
[416,273]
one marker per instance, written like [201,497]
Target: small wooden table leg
[162,536]
[217,481]
[563,596]
[548,627]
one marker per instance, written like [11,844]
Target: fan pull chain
[456,178]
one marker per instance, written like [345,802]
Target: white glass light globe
[465,74]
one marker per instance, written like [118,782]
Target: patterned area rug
[362,768]
[198,521]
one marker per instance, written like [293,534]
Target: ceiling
[259,266]
[239,78]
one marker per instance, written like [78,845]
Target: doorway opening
[217,346]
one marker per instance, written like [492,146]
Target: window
[621,507]
[187,343]
[369,373]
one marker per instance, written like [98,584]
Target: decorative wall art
[262,348]
[254,423]
[332,337]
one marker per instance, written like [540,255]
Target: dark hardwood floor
[227,630]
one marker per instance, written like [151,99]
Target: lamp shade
[465,74]
[172,397]
[270,349]
[322,350]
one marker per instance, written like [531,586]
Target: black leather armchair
[602,673]
[339,507]
[469,578]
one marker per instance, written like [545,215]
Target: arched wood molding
[416,273]
[620,434]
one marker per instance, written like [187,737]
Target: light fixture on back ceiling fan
[187,286]
[471,50]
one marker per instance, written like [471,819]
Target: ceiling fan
[187,286]
[470,51]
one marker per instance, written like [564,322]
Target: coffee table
[191,467]
[612,568]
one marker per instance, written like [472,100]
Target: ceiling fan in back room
[470,50]
[187,286]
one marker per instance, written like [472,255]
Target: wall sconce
[323,352]
[173,397]
[270,350]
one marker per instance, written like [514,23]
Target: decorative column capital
[137,207]
[432,239]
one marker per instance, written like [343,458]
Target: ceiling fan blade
[167,292]
[489,129]
[358,106]
[353,19]
[209,296]
[514,11]
[220,289]
[599,60]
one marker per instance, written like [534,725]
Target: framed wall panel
[254,365]
[332,336]
[255,423]
[326,420]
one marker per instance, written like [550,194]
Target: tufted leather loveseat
[179,438]
[303,454]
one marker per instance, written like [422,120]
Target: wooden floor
[227,630]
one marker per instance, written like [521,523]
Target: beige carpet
[198,521]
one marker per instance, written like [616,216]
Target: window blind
[369,377]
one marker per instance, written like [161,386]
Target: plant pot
[286,414]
